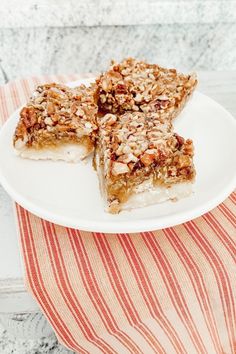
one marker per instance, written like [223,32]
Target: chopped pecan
[113,157]
[184,161]
[180,141]
[106,85]
[120,89]
[147,159]
[137,166]
[50,108]
[28,116]
[119,168]
[108,119]
[188,147]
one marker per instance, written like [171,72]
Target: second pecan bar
[140,161]
[134,85]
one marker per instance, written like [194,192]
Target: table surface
[221,86]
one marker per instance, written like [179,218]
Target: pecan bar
[58,123]
[141,161]
[134,85]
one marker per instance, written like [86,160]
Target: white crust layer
[157,194]
[66,152]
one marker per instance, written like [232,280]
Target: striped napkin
[168,291]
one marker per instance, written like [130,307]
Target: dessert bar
[134,85]
[58,123]
[141,161]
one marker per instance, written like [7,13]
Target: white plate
[68,194]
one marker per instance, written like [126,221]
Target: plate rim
[122,226]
